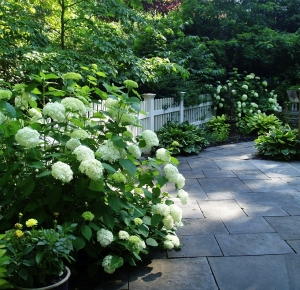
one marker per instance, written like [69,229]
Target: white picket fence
[159,111]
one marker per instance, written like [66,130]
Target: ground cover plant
[58,154]
[181,138]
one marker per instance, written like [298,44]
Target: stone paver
[241,227]
[253,244]
[177,274]
[249,225]
[267,272]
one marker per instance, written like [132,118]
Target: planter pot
[60,285]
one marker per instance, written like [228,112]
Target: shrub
[181,138]
[217,128]
[59,154]
[261,123]
[280,144]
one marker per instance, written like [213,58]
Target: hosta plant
[217,128]
[66,147]
[181,138]
[279,144]
[262,123]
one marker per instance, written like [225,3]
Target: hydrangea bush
[67,148]
[244,95]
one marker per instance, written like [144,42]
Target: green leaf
[116,261]
[109,220]
[45,173]
[143,230]
[128,165]
[96,185]
[118,141]
[114,202]
[79,243]
[39,257]
[162,180]
[11,112]
[86,232]
[37,164]
[151,242]
[23,273]
[156,219]
[108,167]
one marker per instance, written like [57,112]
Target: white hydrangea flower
[139,244]
[92,168]
[62,171]
[111,103]
[180,181]
[150,138]
[135,151]
[176,213]
[163,155]
[244,97]
[183,195]
[28,137]
[171,242]
[55,110]
[110,152]
[245,87]
[22,101]
[104,237]
[72,144]
[168,222]
[80,134]
[264,83]
[5,94]
[218,97]
[221,105]
[128,118]
[35,114]
[118,177]
[256,95]
[106,264]
[83,153]
[74,105]
[123,235]
[171,172]
[161,209]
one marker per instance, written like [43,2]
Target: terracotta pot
[61,285]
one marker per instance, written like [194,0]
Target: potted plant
[37,256]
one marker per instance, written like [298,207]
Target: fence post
[149,99]
[181,106]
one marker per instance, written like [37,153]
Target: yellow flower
[31,223]
[18,226]
[19,233]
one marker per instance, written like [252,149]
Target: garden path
[242,227]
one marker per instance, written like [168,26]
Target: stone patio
[242,227]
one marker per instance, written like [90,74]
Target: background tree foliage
[166,46]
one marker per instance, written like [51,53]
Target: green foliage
[181,138]
[279,144]
[217,128]
[4,284]
[261,123]
[37,255]
[66,148]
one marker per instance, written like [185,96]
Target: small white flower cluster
[106,264]
[150,138]
[183,196]
[28,137]
[93,168]
[72,144]
[22,101]
[5,94]
[138,244]
[134,150]
[171,242]
[110,152]
[74,105]
[83,153]
[104,237]
[174,176]
[163,155]
[36,115]
[172,214]
[62,171]
[123,235]
[79,134]
[55,110]
[245,87]
[3,118]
